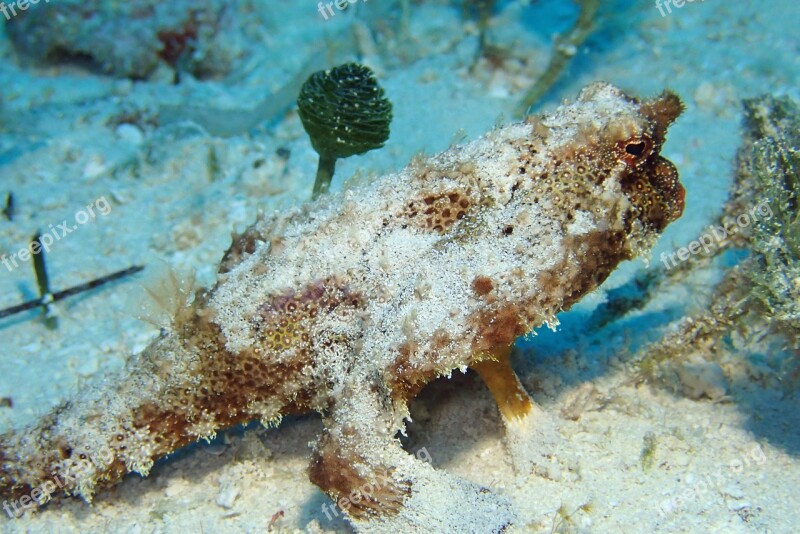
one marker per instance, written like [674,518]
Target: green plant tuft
[648,455]
[345,113]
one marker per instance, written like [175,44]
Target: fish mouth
[653,186]
[670,198]
[654,189]
[665,180]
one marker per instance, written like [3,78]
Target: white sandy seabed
[721,464]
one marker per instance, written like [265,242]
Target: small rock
[87,366]
[733,491]
[585,398]
[553,472]
[681,459]
[176,488]
[94,167]
[228,493]
[121,197]
[123,87]
[215,449]
[130,133]
[700,377]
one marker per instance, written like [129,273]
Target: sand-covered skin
[171,208]
[348,306]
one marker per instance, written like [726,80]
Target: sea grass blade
[97,282]
[60,295]
[566,47]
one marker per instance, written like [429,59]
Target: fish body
[350,305]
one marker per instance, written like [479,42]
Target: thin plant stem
[327,164]
[43,282]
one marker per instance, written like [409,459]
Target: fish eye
[635,148]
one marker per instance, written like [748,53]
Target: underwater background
[155,129]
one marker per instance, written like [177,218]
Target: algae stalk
[8,210]
[325,170]
[43,282]
[484,11]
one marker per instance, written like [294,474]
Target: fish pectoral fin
[382,488]
[494,368]
[532,438]
[386,489]
[359,485]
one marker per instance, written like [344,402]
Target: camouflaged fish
[350,305]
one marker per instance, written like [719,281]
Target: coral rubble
[349,305]
[129,39]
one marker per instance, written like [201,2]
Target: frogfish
[349,305]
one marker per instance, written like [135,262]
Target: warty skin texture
[349,305]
